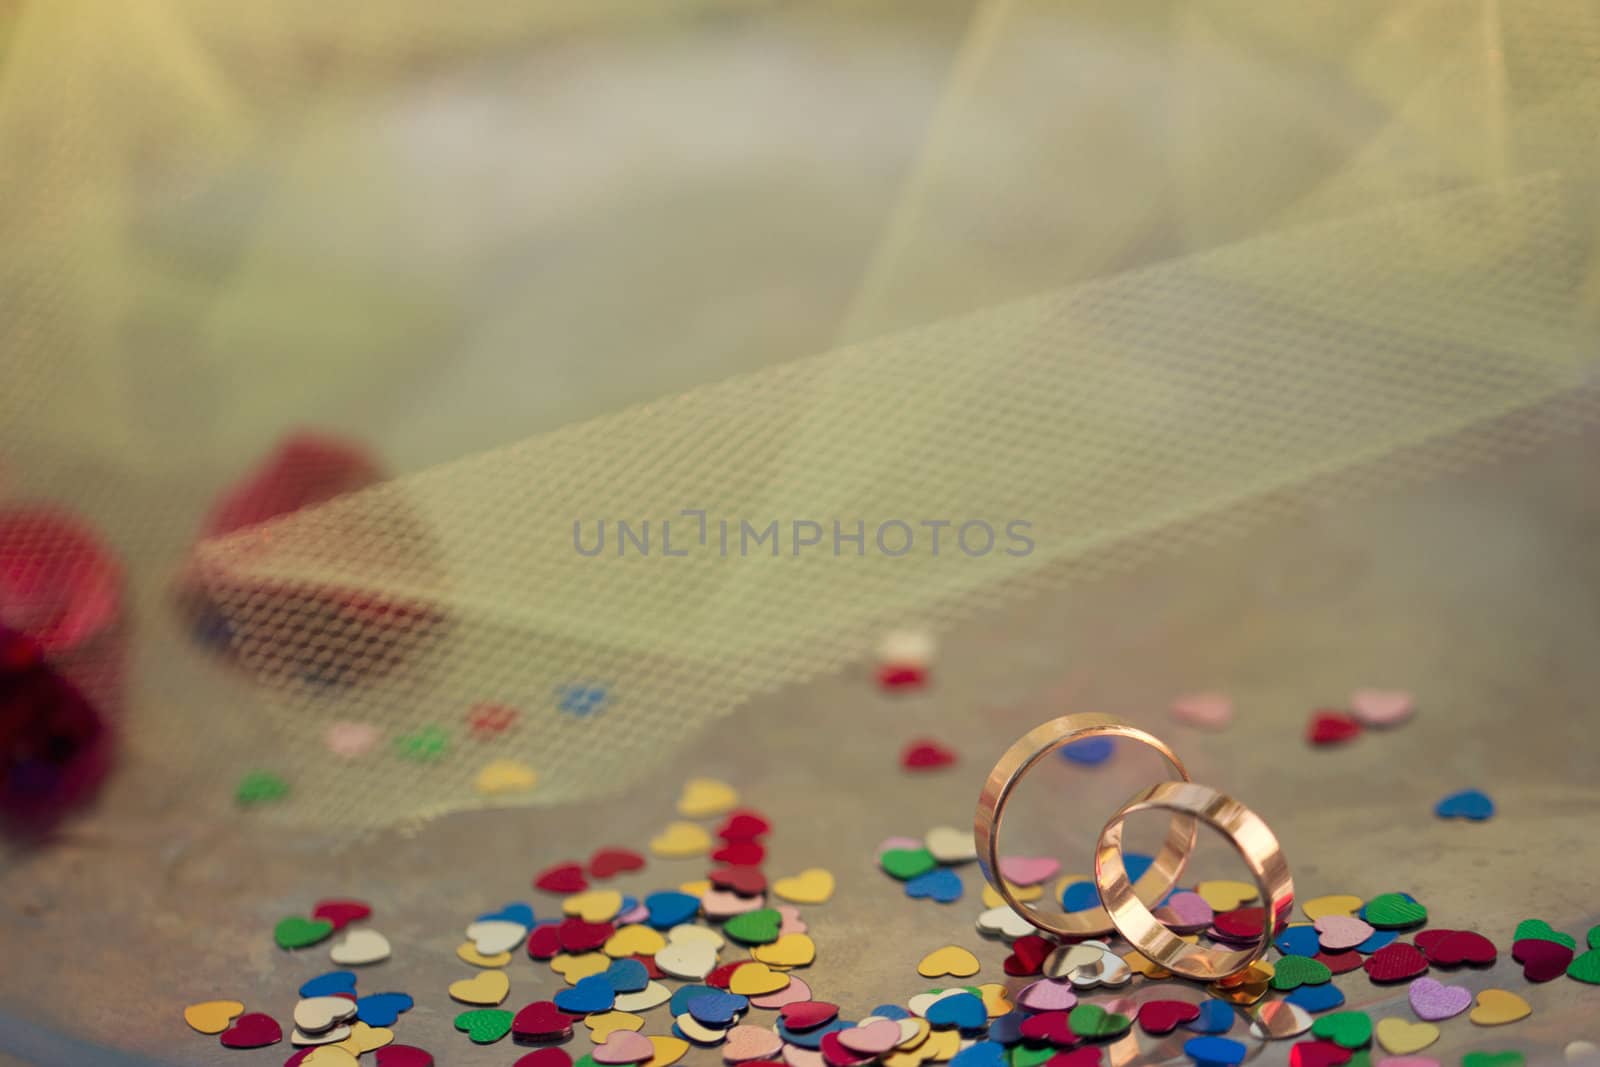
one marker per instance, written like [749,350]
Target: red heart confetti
[836,1054]
[404,1056]
[1318,1054]
[252,1030]
[488,720]
[1396,963]
[612,861]
[650,968]
[1340,962]
[541,1057]
[579,936]
[1451,948]
[901,676]
[1541,960]
[743,825]
[926,756]
[1028,954]
[563,878]
[808,1014]
[746,880]
[1332,727]
[1086,1056]
[721,976]
[544,943]
[1158,1017]
[1049,1026]
[340,912]
[542,1021]
[740,853]
[1240,924]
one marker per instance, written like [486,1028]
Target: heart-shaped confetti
[747,1043]
[1048,994]
[605,1023]
[963,1011]
[545,1057]
[1538,928]
[744,852]
[1471,804]
[1050,1027]
[484,1026]
[1382,707]
[623,1046]
[383,1009]
[503,776]
[681,840]
[926,755]
[341,913]
[313,1015]
[1299,939]
[1451,948]
[591,994]
[1158,1017]
[538,1022]
[1028,870]
[351,740]
[594,906]
[1541,960]
[1339,932]
[1493,1059]
[331,984]
[1214,1051]
[1434,1001]
[1241,925]
[950,960]
[485,987]
[1395,963]
[260,787]
[649,997]
[687,959]
[760,927]
[1292,972]
[1393,911]
[1089,752]
[212,1016]
[1216,1017]
[424,745]
[746,880]
[1316,998]
[1497,1007]
[364,1038]
[941,884]
[743,825]
[907,863]
[1335,904]
[1408,1061]
[1092,1022]
[668,908]
[635,940]
[579,935]
[326,1056]
[562,878]
[871,1039]
[1028,954]
[357,948]
[298,932]
[1584,1052]
[715,1007]
[1209,711]
[705,797]
[1402,1037]
[1224,895]
[1329,727]
[1586,968]
[808,1014]
[1341,962]
[495,936]
[1279,1020]
[756,979]
[1319,1054]
[1003,922]
[811,886]
[790,950]
[1185,912]
[950,845]
[252,1030]
[407,1056]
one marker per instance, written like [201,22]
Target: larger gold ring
[1249,836]
[1034,746]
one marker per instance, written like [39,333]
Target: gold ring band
[1035,745]
[1249,836]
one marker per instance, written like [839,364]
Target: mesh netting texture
[1069,348]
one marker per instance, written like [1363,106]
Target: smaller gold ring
[1249,836]
[1028,750]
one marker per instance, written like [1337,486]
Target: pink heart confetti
[1382,707]
[792,923]
[793,993]
[628,918]
[1186,912]
[1433,1001]
[724,904]
[1339,932]
[1209,711]
[1048,994]
[747,1042]
[795,1056]
[1027,870]
[351,739]
[872,1039]
[623,1046]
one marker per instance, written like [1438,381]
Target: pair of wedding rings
[1126,906]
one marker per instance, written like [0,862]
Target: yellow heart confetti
[634,940]
[484,988]
[812,886]
[705,797]
[940,1045]
[1139,963]
[576,968]
[467,952]
[1402,1038]
[669,1050]
[212,1016]
[918,1035]
[604,1024]
[1225,896]
[330,1056]
[680,841]
[695,889]
[506,776]
[994,999]
[1498,1006]
[952,960]
[991,899]
[364,1038]
[1337,904]
[757,980]
[790,950]
[595,906]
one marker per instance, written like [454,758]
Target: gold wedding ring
[1249,836]
[1034,746]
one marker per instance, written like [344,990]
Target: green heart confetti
[424,746]
[585,1060]
[1493,1059]
[1586,968]
[260,787]
[1360,1058]
[1593,937]
[759,927]
[1023,1056]
[906,863]
[1295,971]
[297,932]
[1392,911]
[1539,930]
[484,1026]
[1090,1021]
[1347,1029]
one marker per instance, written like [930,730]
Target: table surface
[1476,592]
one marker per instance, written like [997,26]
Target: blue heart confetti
[330,985]
[717,1008]
[1315,998]
[941,884]
[669,907]
[1214,1051]
[1298,941]
[1080,896]
[891,1011]
[627,976]
[1008,1028]
[680,999]
[1471,804]
[982,1054]
[590,995]
[382,1009]
[1090,751]
[1379,939]
[963,1011]
[511,913]
[1216,1017]
[811,1039]
[1136,863]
